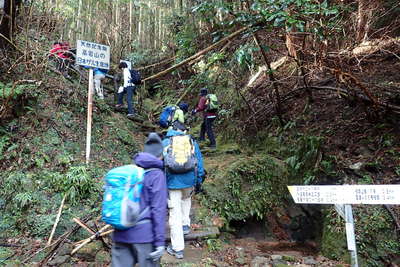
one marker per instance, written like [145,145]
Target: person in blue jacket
[99,74]
[180,188]
[145,243]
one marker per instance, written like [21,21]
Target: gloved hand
[157,254]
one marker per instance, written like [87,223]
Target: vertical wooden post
[89,115]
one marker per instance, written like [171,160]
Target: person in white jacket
[128,88]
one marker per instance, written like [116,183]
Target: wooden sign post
[91,55]
[342,196]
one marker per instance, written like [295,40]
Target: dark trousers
[127,255]
[207,126]
[129,91]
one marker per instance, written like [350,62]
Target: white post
[89,115]
[351,238]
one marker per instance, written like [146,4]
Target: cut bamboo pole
[57,220]
[93,237]
[202,52]
[84,226]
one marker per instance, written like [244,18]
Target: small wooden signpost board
[342,196]
[91,55]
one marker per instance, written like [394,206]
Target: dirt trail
[244,248]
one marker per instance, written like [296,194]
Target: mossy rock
[334,243]
[103,258]
[251,186]
[90,251]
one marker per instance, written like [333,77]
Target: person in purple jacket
[144,244]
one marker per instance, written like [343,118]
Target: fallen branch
[57,220]
[202,52]
[158,63]
[56,244]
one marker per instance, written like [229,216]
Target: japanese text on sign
[346,194]
[92,55]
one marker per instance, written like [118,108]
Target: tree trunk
[7,24]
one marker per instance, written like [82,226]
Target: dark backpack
[135,77]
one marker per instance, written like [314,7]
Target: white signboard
[346,194]
[92,55]
[2,4]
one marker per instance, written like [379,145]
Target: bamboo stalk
[84,226]
[57,220]
[93,237]
[202,52]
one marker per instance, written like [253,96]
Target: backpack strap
[140,221]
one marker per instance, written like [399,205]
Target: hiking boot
[186,229]
[177,254]
[212,146]
[130,115]
[119,106]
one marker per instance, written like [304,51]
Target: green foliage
[333,243]
[4,142]
[374,236]
[184,39]
[8,90]
[77,183]
[302,162]
[250,187]
[245,56]
[214,245]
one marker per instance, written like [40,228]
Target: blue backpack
[135,77]
[121,202]
[167,116]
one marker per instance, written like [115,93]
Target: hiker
[145,242]
[128,88]
[184,170]
[173,117]
[59,53]
[209,110]
[99,74]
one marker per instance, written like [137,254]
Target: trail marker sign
[342,196]
[91,55]
[346,194]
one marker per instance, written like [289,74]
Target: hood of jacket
[147,161]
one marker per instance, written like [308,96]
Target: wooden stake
[89,115]
[57,220]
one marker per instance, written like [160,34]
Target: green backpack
[212,103]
